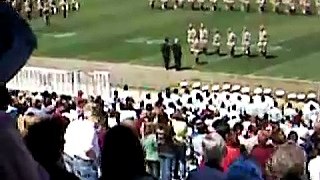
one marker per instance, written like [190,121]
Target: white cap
[257,91]
[215,87]
[211,108]
[301,96]
[205,88]
[20,94]
[311,96]
[38,97]
[235,87]
[245,89]
[267,91]
[279,92]
[292,96]
[226,86]
[196,85]
[183,84]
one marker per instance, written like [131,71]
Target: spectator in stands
[233,150]
[314,164]
[150,145]
[45,142]
[287,163]
[123,156]
[214,149]
[82,148]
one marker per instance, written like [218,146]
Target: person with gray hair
[214,150]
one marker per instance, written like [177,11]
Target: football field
[129,31]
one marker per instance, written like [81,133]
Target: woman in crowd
[123,156]
[151,150]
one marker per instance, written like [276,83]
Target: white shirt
[290,112]
[314,169]
[80,137]
[127,114]
[251,109]
[275,114]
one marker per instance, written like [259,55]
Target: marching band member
[216,43]
[277,6]
[203,33]
[152,3]
[53,7]
[229,4]
[232,41]
[245,5]
[214,5]
[262,5]
[317,3]
[196,48]
[28,10]
[191,34]
[263,41]
[46,14]
[75,5]
[246,41]
[64,7]
[40,7]
[164,4]
[292,7]
[306,4]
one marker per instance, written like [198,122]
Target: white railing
[66,82]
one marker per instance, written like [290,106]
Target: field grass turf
[109,30]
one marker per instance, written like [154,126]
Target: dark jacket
[209,171]
[177,51]
[165,50]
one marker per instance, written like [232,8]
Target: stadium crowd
[194,132]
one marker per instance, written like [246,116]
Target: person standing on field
[165,51]
[177,54]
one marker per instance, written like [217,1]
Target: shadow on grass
[271,56]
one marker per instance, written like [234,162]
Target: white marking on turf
[61,35]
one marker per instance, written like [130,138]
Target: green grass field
[128,31]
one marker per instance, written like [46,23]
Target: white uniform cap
[196,85]
[38,97]
[183,84]
[226,86]
[292,96]
[205,88]
[215,87]
[20,94]
[279,92]
[267,91]
[245,89]
[211,108]
[311,96]
[301,96]
[235,87]
[257,91]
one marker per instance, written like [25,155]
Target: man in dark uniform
[177,54]
[165,50]
[46,14]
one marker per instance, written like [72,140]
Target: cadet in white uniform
[263,41]
[245,5]
[164,4]
[246,41]
[214,5]
[245,97]
[231,42]
[191,34]
[306,7]
[204,34]
[267,94]
[229,5]
[262,5]
[216,42]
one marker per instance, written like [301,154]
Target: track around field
[141,77]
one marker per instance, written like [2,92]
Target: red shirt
[232,154]
[262,154]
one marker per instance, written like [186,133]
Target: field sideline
[129,32]
[143,77]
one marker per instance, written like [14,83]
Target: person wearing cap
[235,92]
[195,90]
[291,98]
[245,97]
[267,94]
[289,111]
[300,101]
[166,51]
[177,53]
[257,95]
[279,95]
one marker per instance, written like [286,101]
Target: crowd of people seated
[194,132]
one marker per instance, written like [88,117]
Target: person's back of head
[214,148]
[122,155]
[244,168]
